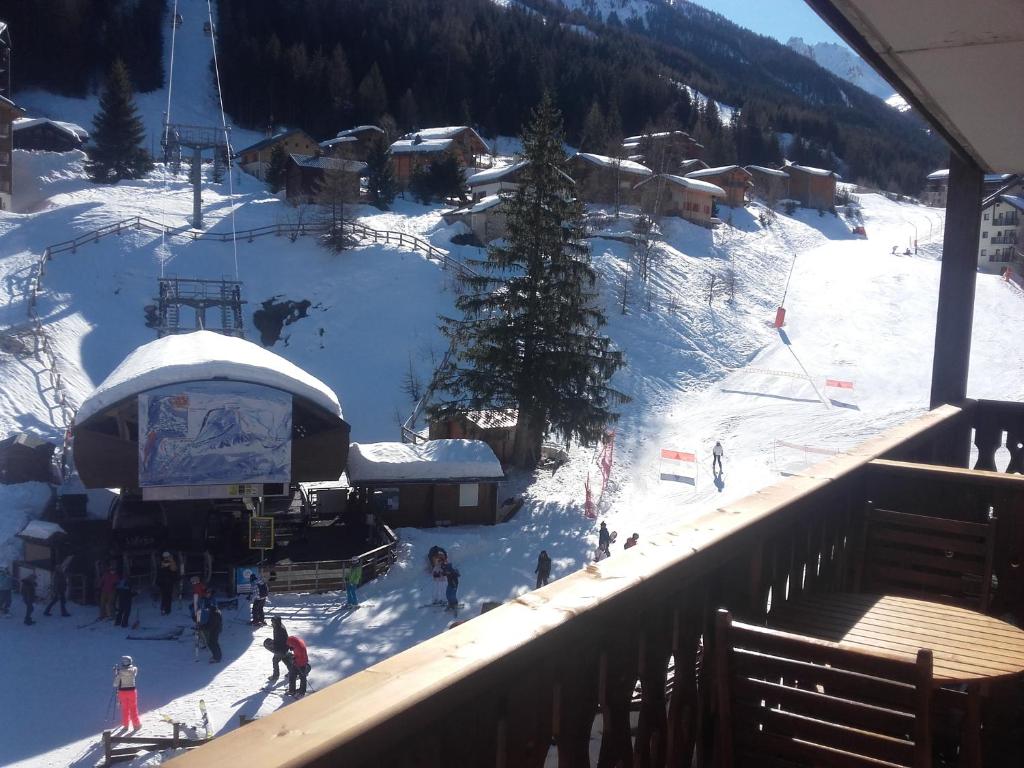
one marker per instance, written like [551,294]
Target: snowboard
[206,719]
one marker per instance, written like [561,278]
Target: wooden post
[955,314]
[106,746]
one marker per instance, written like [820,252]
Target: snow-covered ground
[696,372]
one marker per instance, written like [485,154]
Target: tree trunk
[528,440]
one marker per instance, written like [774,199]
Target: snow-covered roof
[40,530]
[603,161]
[658,135]
[202,356]
[768,171]
[339,140]
[1015,200]
[627,145]
[271,140]
[485,204]
[940,175]
[695,185]
[75,130]
[409,146]
[715,171]
[329,163]
[995,178]
[495,174]
[813,171]
[11,104]
[429,461]
[353,132]
[691,163]
[503,418]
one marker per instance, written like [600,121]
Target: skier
[258,594]
[543,569]
[632,541]
[604,538]
[166,579]
[123,602]
[437,563]
[452,574]
[279,645]
[5,590]
[58,591]
[352,578]
[124,683]
[198,594]
[213,623]
[107,585]
[299,667]
[28,594]
[203,604]
[717,453]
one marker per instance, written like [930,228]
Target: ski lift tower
[199,139]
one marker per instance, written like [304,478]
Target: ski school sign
[679,466]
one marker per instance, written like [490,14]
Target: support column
[955,315]
[197,188]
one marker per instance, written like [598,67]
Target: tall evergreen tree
[529,337]
[380,175]
[277,169]
[372,95]
[595,136]
[118,134]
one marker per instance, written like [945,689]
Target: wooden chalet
[9,112]
[812,187]
[496,428]
[606,180]
[25,458]
[494,181]
[487,218]
[770,184]
[353,143]
[427,144]
[663,150]
[255,159]
[305,174]
[734,179]
[690,199]
[823,658]
[439,482]
[693,164]
[41,134]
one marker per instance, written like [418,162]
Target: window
[469,494]
[983,253]
[984,235]
[986,217]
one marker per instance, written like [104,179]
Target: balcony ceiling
[957,61]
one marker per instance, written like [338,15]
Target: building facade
[1001,216]
[420,148]
[812,187]
[606,180]
[9,112]
[734,179]
[690,199]
[770,184]
[255,159]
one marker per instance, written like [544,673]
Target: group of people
[445,577]
[291,651]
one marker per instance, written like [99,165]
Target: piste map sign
[261,532]
[214,433]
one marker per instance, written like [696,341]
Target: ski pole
[110,704]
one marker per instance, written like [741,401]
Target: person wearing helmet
[125,675]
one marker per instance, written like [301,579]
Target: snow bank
[21,504]
[433,460]
[201,356]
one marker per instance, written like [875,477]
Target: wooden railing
[329,575]
[557,670]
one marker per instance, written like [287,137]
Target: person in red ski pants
[124,683]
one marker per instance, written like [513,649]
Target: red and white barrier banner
[604,466]
[678,466]
[838,383]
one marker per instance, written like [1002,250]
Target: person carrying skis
[5,590]
[353,576]
[125,675]
[123,602]
[451,573]
[299,666]
[28,594]
[58,591]
[213,623]
[279,645]
[258,594]
[543,569]
[716,462]
[166,579]
[604,538]
[108,586]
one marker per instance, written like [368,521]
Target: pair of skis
[205,725]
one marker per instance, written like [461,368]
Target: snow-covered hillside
[844,63]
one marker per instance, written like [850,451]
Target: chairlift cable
[227,135]
[167,122]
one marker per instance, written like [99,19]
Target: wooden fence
[329,575]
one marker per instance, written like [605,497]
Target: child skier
[124,683]
[352,578]
[258,594]
[452,574]
[717,452]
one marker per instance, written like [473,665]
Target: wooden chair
[930,558]
[789,700]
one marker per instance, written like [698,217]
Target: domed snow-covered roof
[204,356]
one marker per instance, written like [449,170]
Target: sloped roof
[1015,200]
[203,356]
[329,163]
[271,140]
[339,140]
[715,171]
[444,132]
[40,530]
[411,146]
[686,182]
[812,171]
[768,171]
[353,132]
[495,174]
[434,460]
[940,175]
[74,129]
[603,161]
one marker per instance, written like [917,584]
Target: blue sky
[780,19]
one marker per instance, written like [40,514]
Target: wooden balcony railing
[606,666]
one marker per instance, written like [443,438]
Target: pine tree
[380,181]
[118,133]
[277,168]
[529,337]
[372,95]
[594,137]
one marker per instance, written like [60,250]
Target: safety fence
[330,575]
